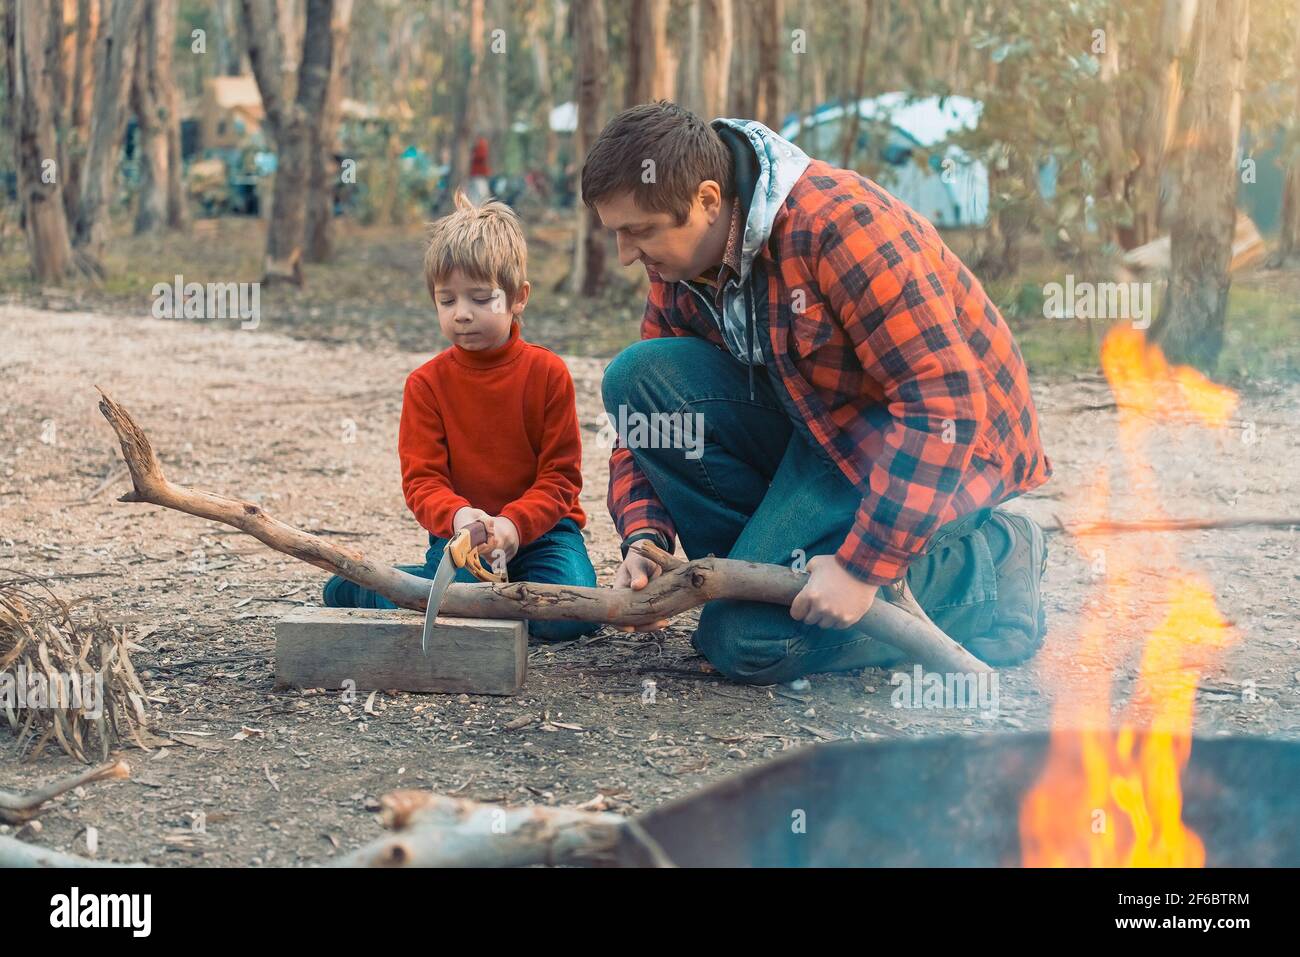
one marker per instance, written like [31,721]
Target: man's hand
[831,598]
[636,572]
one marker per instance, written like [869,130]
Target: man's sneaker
[1019,619]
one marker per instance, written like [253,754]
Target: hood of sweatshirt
[766,167]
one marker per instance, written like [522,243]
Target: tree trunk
[649,65]
[178,214]
[710,35]
[325,170]
[1013,191]
[115,68]
[468,109]
[540,46]
[83,86]
[1159,121]
[226,42]
[1190,328]
[148,103]
[803,98]
[768,106]
[692,93]
[498,114]
[590,68]
[850,141]
[294,120]
[717,25]
[30,81]
[1289,235]
[743,81]
[1115,174]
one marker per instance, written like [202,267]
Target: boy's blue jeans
[557,558]
[759,492]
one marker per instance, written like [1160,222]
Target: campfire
[1112,798]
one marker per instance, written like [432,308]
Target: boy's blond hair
[484,242]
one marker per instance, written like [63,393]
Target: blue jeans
[761,491]
[557,558]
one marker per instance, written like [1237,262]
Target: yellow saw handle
[463,549]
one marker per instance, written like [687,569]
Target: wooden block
[380,649]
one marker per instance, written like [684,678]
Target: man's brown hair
[683,151]
[484,242]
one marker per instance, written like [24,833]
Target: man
[865,406]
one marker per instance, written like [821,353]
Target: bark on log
[681,587]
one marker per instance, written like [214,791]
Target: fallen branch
[16,853]
[681,587]
[433,830]
[17,808]
[1170,525]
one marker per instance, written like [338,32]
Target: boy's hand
[468,516]
[636,572]
[503,535]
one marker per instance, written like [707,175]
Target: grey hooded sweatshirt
[765,169]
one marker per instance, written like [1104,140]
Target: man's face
[670,251]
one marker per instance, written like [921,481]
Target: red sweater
[496,430]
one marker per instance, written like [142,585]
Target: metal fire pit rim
[1028,751]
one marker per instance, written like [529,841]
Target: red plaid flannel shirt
[891,320]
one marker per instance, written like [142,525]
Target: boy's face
[474,315]
[667,250]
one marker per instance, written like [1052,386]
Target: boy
[489,428]
[866,408]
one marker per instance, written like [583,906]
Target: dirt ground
[308,430]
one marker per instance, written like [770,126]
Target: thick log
[680,587]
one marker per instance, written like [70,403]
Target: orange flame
[1111,798]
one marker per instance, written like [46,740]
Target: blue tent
[950,188]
